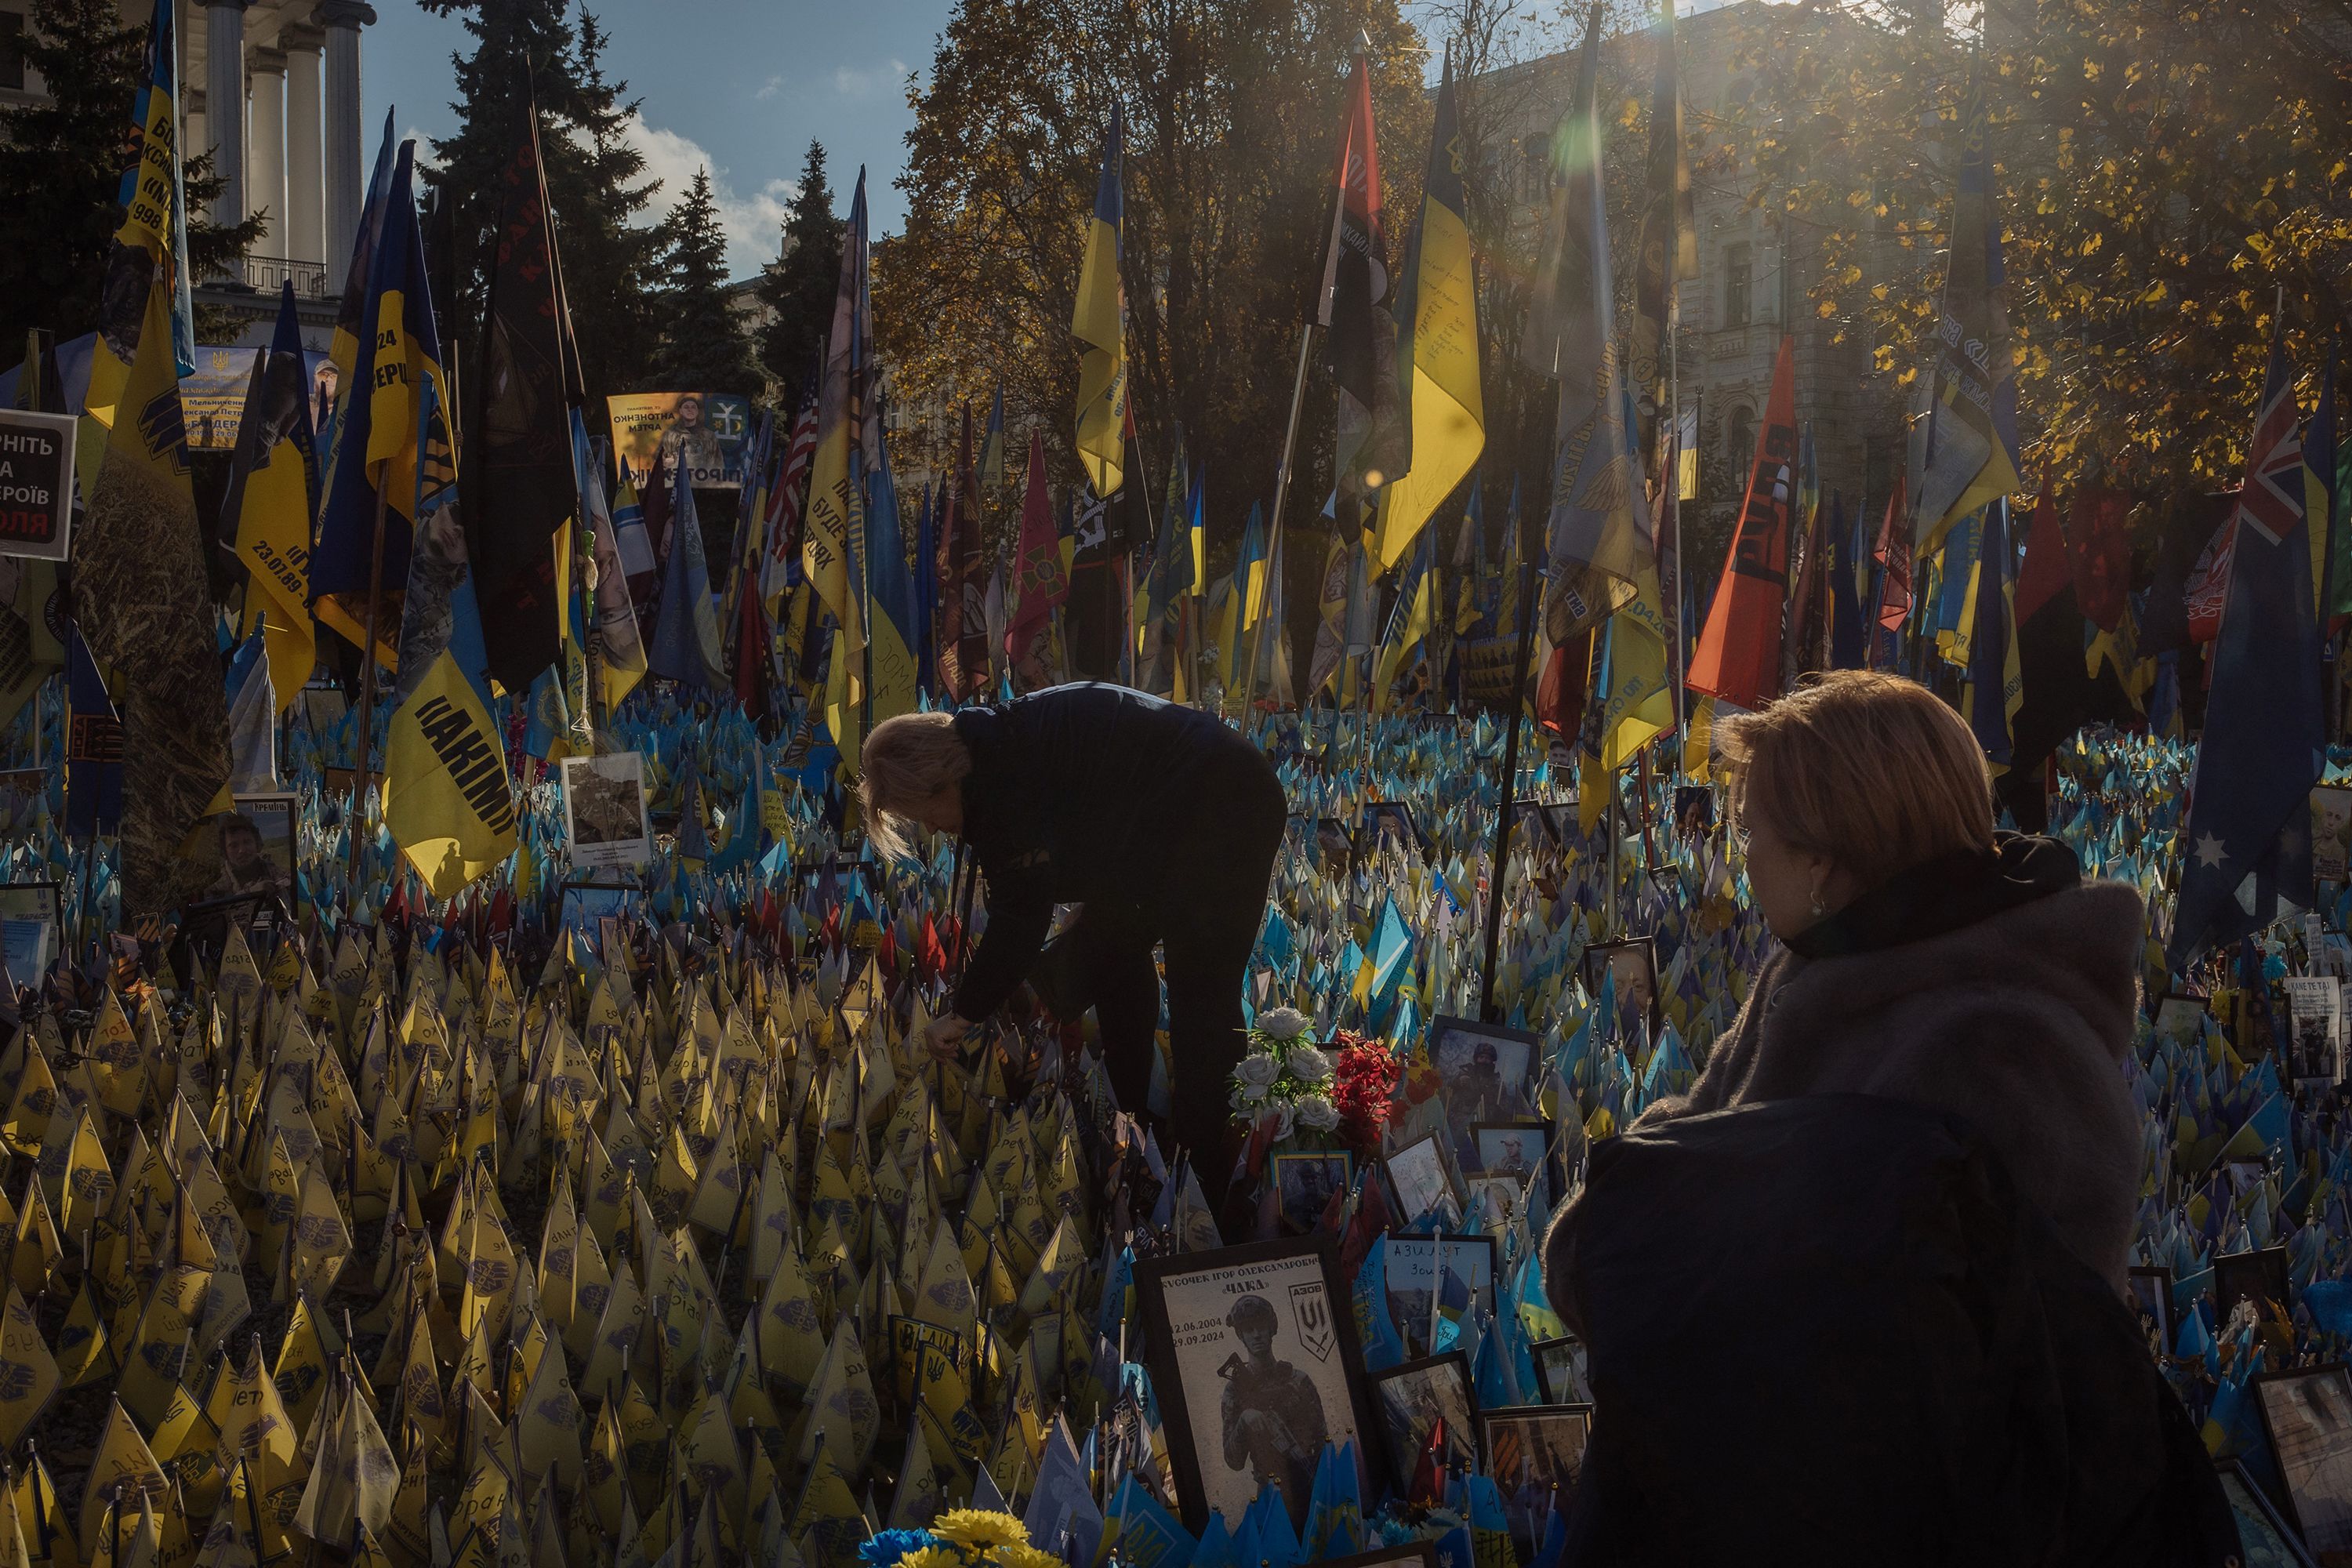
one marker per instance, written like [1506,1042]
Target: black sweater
[1070,796]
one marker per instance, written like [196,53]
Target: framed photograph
[2314,1042]
[1411,1400]
[2179,1017]
[31,928]
[2264,1538]
[1417,1175]
[323,707]
[1693,810]
[2331,833]
[2257,1276]
[1253,1354]
[1534,1454]
[1561,1366]
[1330,836]
[1304,1184]
[605,810]
[2307,1415]
[2151,1298]
[1483,1070]
[19,788]
[1389,820]
[1633,961]
[257,848]
[1425,1272]
[1518,1150]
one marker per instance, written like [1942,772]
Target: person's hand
[944,1038]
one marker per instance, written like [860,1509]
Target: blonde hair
[1876,772]
[908,759]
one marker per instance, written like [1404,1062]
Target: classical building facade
[272,87]
[1756,262]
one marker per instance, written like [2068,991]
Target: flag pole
[1510,781]
[1274,535]
[367,726]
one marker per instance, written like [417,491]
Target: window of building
[1738,285]
[12,49]
[1740,449]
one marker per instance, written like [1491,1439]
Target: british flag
[2272,499]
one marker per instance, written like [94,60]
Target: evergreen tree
[704,347]
[595,179]
[800,284]
[62,168]
[612,267]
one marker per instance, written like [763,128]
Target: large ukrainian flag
[1099,323]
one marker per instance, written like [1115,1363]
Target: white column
[224,103]
[264,186]
[346,185]
[305,230]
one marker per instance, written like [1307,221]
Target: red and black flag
[1359,341]
[518,485]
[1739,657]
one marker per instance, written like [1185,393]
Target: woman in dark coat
[1158,819]
[1890,1222]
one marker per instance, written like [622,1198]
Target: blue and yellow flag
[273,494]
[1099,322]
[1437,366]
[1996,687]
[835,530]
[1965,443]
[890,590]
[350,314]
[390,448]
[1408,622]
[154,237]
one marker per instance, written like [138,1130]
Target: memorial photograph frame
[1454,1047]
[2315,1463]
[1397,1397]
[1607,953]
[1192,1296]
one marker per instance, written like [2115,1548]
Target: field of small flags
[515,1230]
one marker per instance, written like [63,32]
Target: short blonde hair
[907,759]
[1876,772]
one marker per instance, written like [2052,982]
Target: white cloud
[769,87]
[752,220]
[425,158]
[885,77]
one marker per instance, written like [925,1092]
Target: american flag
[784,515]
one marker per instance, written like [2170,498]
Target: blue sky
[740,86]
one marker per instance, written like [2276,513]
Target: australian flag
[2246,850]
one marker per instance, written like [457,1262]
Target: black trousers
[1205,915]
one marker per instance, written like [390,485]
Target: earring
[1820,908]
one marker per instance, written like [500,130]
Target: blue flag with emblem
[2246,859]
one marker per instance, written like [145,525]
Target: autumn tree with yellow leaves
[2163,170]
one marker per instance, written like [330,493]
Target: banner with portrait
[707,431]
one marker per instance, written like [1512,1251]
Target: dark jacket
[2002,988]
[1827,1330]
[1071,797]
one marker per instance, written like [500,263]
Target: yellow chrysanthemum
[980,1528]
[1014,1556]
[932,1557]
